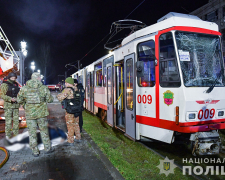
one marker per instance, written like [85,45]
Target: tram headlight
[220,113]
[191,116]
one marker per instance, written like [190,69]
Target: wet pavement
[82,161]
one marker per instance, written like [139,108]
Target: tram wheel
[103,115]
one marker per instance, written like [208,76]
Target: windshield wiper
[209,90]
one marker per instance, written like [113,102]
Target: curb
[112,170]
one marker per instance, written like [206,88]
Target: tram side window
[104,76]
[109,75]
[105,62]
[129,90]
[99,78]
[88,84]
[169,73]
[146,53]
[80,79]
[98,74]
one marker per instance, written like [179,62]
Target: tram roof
[170,20]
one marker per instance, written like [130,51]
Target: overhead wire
[114,33]
[134,9]
[90,50]
[105,36]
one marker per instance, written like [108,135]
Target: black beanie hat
[12,75]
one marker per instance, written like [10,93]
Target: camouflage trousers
[11,115]
[32,129]
[72,126]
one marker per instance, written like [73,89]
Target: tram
[164,82]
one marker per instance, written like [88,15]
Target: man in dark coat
[82,92]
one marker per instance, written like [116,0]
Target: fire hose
[6,156]
[5,151]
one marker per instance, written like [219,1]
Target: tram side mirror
[140,69]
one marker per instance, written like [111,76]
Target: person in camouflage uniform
[34,97]
[72,122]
[9,91]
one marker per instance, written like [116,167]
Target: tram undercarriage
[205,143]
[201,143]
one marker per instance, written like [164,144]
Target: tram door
[88,91]
[120,112]
[91,92]
[85,85]
[109,71]
[130,102]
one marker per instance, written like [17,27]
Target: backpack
[82,93]
[73,106]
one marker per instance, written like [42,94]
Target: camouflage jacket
[8,104]
[39,110]
[67,93]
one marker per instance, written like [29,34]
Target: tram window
[105,62]
[109,84]
[86,78]
[129,85]
[104,76]
[88,84]
[146,53]
[200,59]
[80,79]
[169,73]
[99,78]
[98,74]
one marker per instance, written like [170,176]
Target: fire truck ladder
[7,46]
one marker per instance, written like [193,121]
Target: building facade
[214,11]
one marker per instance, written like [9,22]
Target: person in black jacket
[82,92]
[9,91]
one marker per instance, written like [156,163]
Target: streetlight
[39,71]
[24,51]
[23,45]
[32,66]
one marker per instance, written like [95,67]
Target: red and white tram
[166,81]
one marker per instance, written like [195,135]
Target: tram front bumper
[200,127]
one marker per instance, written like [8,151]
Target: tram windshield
[200,59]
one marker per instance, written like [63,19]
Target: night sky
[74,27]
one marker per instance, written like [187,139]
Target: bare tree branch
[44,56]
